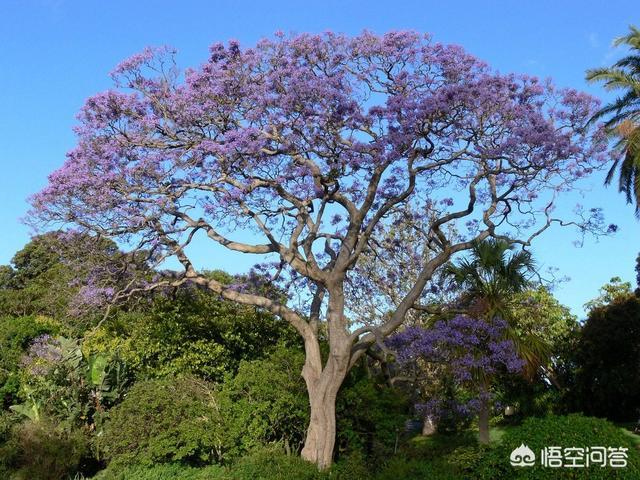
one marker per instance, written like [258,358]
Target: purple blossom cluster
[466,344]
[42,355]
[90,297]
[308,93]
[467,347]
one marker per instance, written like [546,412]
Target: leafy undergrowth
[459,456]
[439,457]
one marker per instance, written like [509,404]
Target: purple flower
[43,354]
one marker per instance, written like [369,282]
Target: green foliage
[608,377]
[564,431]
[609,292]
[6,277]
[8,451]
[40,284]
[538,312]
[355,466]
[40,450]
[161,472]
[621,115]
[443,456]
[73,388]
[638,275]
[370,415]
[399,468]
[15,336]
[190,331]
[266,463]
[165,421]
[493,273]
[273,464]
[530,398]
[50,271]
[266,402]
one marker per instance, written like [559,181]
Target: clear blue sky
[55,53]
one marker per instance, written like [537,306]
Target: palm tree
[490,277]
[622,116]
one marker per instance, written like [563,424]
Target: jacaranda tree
[298,151]
[470,351]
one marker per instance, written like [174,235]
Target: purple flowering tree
[468,351]
[299,151]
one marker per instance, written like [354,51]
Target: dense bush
[403,469]
[8,451]
[370,416]
[48,274]
[443,456]
[164,421]
[608,361]
[266,402]
[531,397]
[273,464]
[40,450]
[161,472]
[15,335]
[564,431]
[189,331]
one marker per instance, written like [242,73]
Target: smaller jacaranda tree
[469,351]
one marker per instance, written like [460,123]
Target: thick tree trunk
[323,385]
[323,390]
[321,434]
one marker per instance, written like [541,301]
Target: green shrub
[16,334]
[564,431]
[8,449]
[442,457]
[607,382]
[161,472]
[273,464]
[190,331]
[267,463]
[370,416]
[266,402]
[352,467]
[38,450]
[164,421]
[400,468]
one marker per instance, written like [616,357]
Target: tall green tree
[622,116]
[608,355]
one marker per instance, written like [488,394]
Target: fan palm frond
[622,116]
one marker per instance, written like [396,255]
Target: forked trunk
[323,386]
[321,434]
[323,383]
